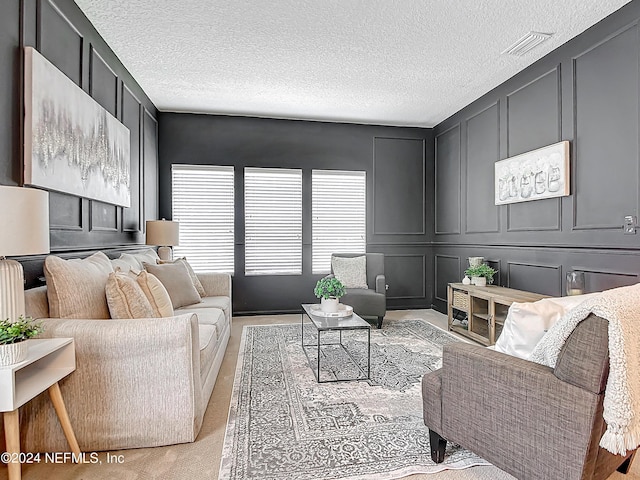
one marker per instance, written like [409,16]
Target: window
[273,221]
[203,204]
[339,210]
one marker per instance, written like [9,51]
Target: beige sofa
[138,383]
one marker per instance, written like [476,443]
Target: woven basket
[460,300]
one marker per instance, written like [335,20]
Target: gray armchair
[530,420]
[372,301]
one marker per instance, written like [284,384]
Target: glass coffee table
[320,325]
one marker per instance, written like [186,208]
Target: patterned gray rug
[283,424]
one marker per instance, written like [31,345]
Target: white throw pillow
[526,323]
[352,272]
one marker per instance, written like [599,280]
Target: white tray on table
[343,311]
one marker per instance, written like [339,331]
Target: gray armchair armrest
[521,406]
[381,287]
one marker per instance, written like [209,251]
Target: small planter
[13,353]
[479,281]
[329,305]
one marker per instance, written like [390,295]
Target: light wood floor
[200,460]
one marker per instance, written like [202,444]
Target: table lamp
[165,234]
[24,230]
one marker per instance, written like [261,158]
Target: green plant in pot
[13,336]
[480,274]
[329,289]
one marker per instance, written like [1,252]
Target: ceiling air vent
[527,43]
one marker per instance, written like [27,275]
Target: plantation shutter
[203,204]
[273,221]
[339,210]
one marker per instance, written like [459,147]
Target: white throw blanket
[621,307]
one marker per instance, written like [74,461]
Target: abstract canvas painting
[72,144]
[541,173]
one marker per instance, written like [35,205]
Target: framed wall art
[541,173]
[72,144]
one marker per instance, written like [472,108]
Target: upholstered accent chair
[530,420]
[371,301]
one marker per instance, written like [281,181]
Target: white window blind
[339,210]
[203,204]
[273,221]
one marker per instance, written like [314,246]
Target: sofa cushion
[155,293]
[351,271]
[76,288]
[207,316]
[194,278]
[176,279]
[221,302]
[125,297]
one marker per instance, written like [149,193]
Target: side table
[48,361]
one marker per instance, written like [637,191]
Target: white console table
[48,361]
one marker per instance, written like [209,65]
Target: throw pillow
[194,278]
[352,272]
[126,262]
[125,297]
[175,278]
[149,255]
[155,292]
[76,288]
[526,323]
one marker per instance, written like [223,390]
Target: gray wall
[399,166]
[61,32]
[586,91]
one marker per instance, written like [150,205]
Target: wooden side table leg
[12,435]
[58,404]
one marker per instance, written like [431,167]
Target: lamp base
[165,253]
[11,290]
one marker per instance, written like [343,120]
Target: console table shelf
[486,309]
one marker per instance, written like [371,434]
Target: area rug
[283,424]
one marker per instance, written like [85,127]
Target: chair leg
[626,465]
[380,322]
[438,445]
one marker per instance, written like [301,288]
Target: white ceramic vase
[329,305]
[479,281]
[13,353]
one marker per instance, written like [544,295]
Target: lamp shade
[163,232]
[24,221]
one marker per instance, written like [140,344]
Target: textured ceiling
[387,62]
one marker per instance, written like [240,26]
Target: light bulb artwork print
[541,173]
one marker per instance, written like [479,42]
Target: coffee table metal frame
[327,324]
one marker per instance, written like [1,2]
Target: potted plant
[329,289]
[13,336]
[480,274]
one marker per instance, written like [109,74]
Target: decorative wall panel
[447,186]
[104,217]
[103,83]
[482,153]
[544,279]
[406,275]
[447,270]
[399,186]
[60,41]
[606,103]
[534,119]
[131,118]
